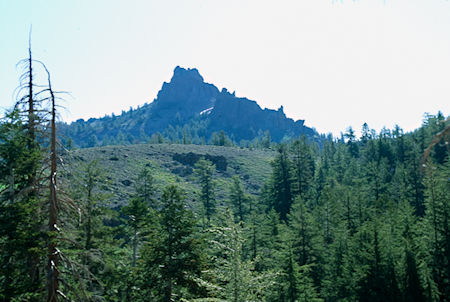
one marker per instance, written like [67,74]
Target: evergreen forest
[336,219]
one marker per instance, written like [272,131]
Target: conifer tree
[137,214]
[413,287]
[27,203]
[414,178]
[172,259]
[303,167]
[145,188]
[306,289]
[281,183]
[268,242]
[351,142]
[91,231]
[304,238]
[253,231]
[204,170]
[238,199]
[21,238]
[438,222]
[374,285]
[231,272]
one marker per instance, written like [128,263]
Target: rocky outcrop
[191,159]
[245,119]
[186,101]
[185,96]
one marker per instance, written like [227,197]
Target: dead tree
[57,201]
[53,252]
[29,108]
[37,106]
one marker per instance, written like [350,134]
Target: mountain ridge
[187,109]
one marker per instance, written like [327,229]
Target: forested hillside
[352,219]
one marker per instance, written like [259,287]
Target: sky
[334,64]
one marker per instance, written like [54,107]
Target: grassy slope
[122,164]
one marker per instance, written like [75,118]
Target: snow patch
[207,111]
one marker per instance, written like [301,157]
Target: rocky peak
[187,89]
[185,96]
[181,74]
[186,100]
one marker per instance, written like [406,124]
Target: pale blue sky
[332,63]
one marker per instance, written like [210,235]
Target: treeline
[357,219]
[87,134]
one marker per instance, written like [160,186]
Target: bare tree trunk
[31,117]
[33,260]
[52,282]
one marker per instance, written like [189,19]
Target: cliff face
[245,119]
[186,92]
[185,96]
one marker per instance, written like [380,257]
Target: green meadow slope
[170,163]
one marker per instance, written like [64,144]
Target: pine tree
[304,238]
[232,275]
[27,203]
[137,215]
[204,170]
[268,241]
[91,230]
[303,167]
[238,199]
[413,287]
[93,177]
[351,142]
[145,188]
[438,222]
[414,178]
[252,232]
[306,289]
[172,259]
[374,285]
[290,293]
[365,134]
[21,238]
[281,183]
